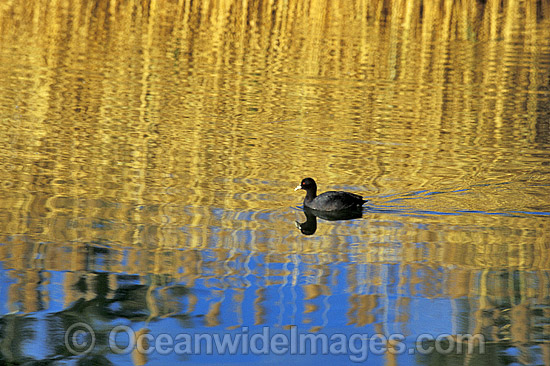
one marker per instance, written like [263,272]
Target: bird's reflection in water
[309,226]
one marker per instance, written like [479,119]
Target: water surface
[151,151]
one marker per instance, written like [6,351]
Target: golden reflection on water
[165,139]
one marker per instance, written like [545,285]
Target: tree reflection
[26,339]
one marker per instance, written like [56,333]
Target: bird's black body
[331,200]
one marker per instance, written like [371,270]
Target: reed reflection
[164,134]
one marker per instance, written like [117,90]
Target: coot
[329,201]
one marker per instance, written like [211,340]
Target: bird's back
[335,200]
